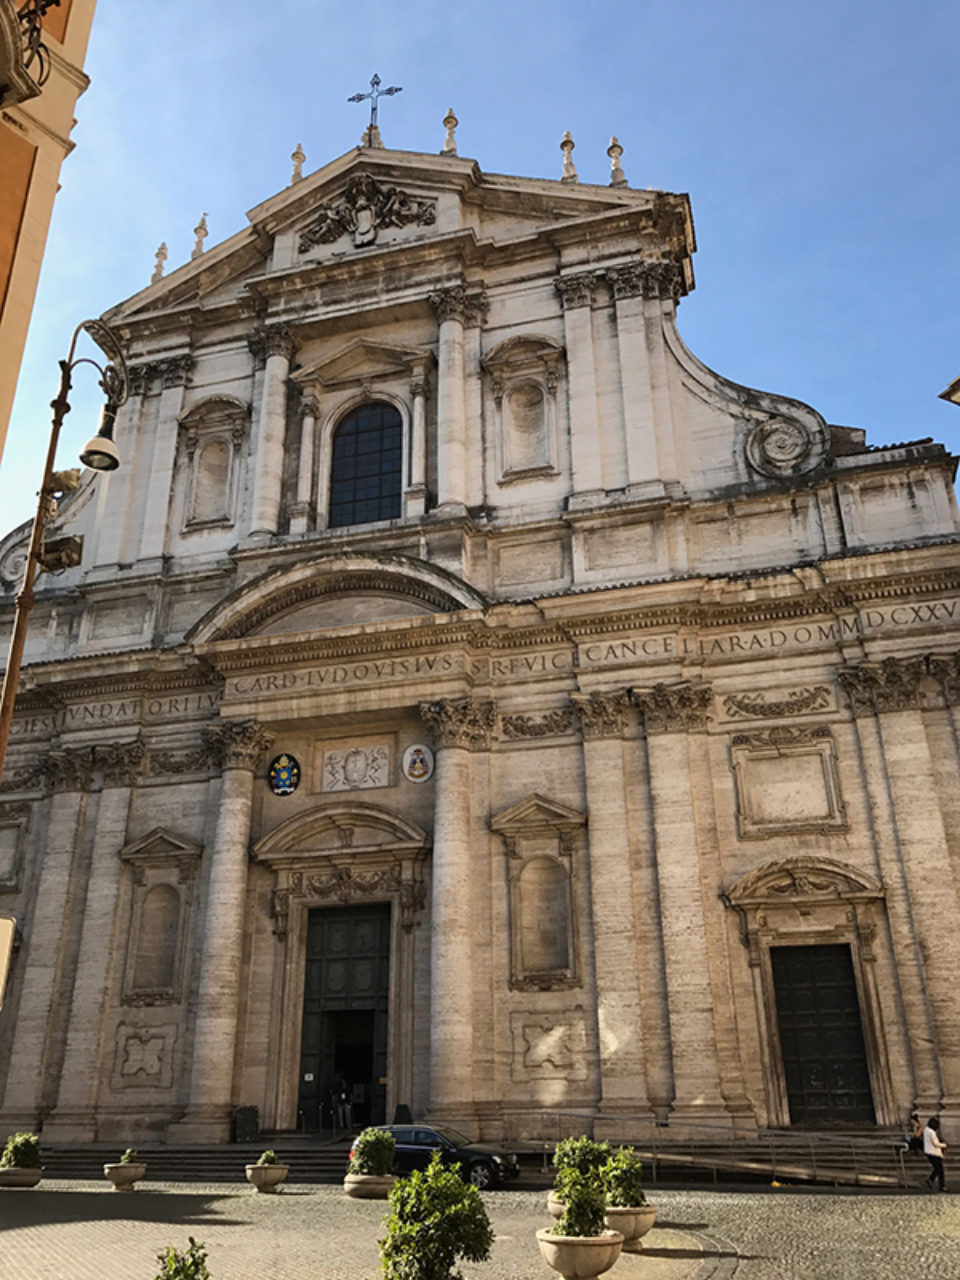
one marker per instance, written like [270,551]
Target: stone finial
[298,157]
[200,231]
[450,123]
[158,269]
[617,177]
[371,137]
[569,168]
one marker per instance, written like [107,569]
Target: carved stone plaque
[357,768]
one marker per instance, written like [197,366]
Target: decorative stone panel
[357,768]
[786,780]
[548,1047]
[144,1057]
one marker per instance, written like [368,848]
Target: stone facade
[644,682]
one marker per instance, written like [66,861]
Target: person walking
[933,1149]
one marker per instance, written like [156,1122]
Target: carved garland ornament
[345,884]
[363,210]
[548,724]
[756,706]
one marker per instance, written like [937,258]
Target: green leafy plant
[130,1157]
[373,1152]
[622,1177]
[22,1151]
[269,1157]
[436,1218]
[583,1203]
[582,1154]
[189,1265]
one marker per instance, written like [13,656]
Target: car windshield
[453,1136]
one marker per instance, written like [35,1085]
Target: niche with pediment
[542,840]
[213,432]
[162,870]
[523,374]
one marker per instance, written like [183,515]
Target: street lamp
[100,454]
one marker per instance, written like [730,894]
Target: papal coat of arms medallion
[417,764]
[284,775]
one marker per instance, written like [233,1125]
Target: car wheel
[481,1175]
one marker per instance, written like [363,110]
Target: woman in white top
[933,1149]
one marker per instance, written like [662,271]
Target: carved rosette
[678,708]
[460,722]
[781,447]
[895,684]
[547,724]
[238,744]
[575,291]
[601,715]
[456,303]
[176,371]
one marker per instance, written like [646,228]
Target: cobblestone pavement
[85,1231]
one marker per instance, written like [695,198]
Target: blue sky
[819,143]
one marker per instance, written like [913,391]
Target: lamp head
[101,454]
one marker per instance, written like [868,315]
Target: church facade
[468,695]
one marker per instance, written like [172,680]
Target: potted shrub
[20,1161]
[436,1218]
[370,1170]
[128,1171]
[578,1245]
[582,1154]
[268,1173]
[189,1265]
[627,1209]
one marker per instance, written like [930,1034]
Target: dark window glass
[365,470]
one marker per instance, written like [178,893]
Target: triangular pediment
[361,360]
[159,845]
[535,813]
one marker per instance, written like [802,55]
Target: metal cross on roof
[375,93]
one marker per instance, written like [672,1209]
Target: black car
[481,1163]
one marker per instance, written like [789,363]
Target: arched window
[365,469]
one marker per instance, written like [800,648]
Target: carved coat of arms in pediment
[363,209]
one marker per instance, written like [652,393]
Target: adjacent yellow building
[42,48]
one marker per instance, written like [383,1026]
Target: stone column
[174,374]
[460,728]
[576,295]
[274,346]
[303,509]
[623,1085]
[895,691]
[111,533]
[70,773]
[670,714]
[416,495]
[207,1118]
[451,306]
[74,1118]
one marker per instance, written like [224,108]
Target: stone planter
[554,1205]
[17,1177]
[580,1257]
[124,1176]
[267,1177]
[368,1186]
[632,1223]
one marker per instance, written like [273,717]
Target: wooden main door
[345,1005]
[821,1036]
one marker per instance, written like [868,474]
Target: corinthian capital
[945,669]
[176,371]
[677,708]
[120,762]
[602,715]
[460,722]
[270,340]
[455,303]
[239,743]
[895,684]
[575,291]
[646,280]
[139,377]
[70,769]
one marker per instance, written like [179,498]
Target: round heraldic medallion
[418,764]
[284,775]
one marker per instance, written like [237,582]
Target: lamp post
[100,454]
